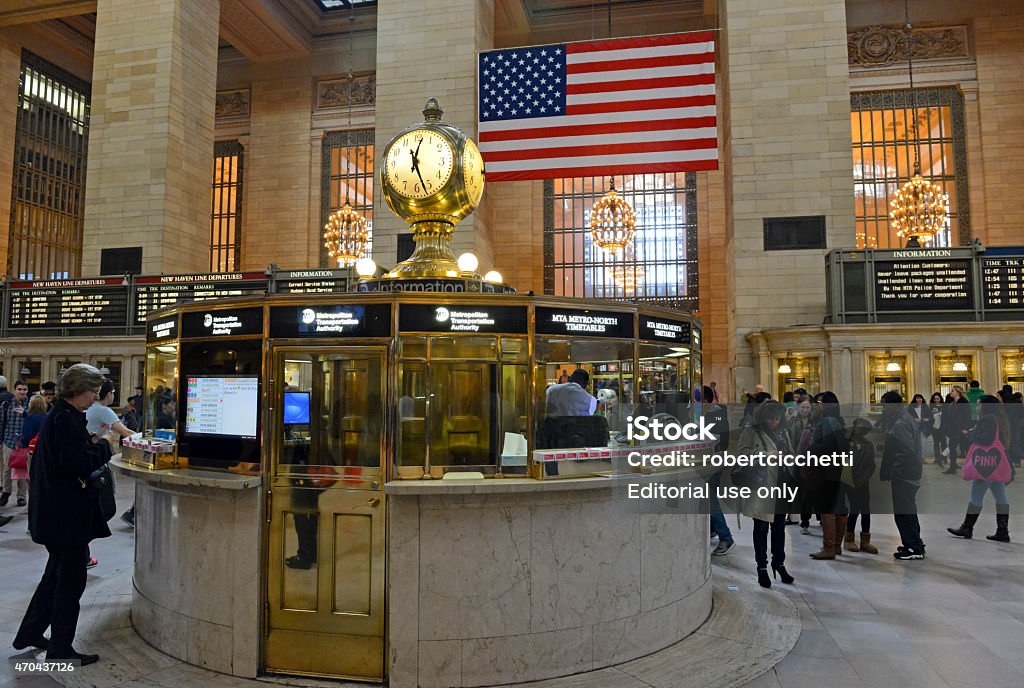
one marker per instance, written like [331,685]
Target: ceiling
[266,30]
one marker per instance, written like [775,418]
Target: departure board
[100,302]
[152,293]
[923,284]
[1002,283]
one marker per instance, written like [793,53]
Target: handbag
[101,481]
[987,463]
[18,458]
[937,419]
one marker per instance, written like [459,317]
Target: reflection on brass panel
[298,585]
[464,347]
[461,418]
[353,547]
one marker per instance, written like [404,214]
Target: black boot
[1002,525]
[762,577]
[966,529]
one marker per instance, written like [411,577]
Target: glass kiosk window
[664,382]
[159,406]
[475,412]
[609,363]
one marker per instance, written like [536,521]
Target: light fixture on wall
[612,221]
[784,367]
[345,234]
[104,370]
[958,365]
[892,366]
[921,208]
[25,370]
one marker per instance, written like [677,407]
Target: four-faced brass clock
[432,171]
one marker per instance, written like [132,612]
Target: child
[859,493]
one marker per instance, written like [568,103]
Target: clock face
[419,163]
[473,169]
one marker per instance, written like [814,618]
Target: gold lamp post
[920,208]
[612,221]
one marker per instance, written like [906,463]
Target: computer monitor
[296,408]
[222,406]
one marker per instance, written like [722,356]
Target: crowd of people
[985,431]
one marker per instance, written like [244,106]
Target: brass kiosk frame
[338,629]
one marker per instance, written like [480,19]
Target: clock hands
[416,163]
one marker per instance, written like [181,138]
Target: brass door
[326,553]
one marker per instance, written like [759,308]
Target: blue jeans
[719,526]
[980,487]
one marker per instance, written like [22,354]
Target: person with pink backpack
[988,467]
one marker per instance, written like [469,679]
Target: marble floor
[955,619]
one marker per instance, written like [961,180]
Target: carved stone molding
[233,103]
[333,93]
[878,46]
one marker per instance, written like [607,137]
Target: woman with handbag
[20,456]
[988,468]
[957,415]
[756,438]
[64,515]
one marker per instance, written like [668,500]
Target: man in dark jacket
[64,515]
[902,466]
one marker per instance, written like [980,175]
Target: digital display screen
[462,318]
[1003,283]
[586,323]
[152,293]
[224,406]
[296,408]
[331,320]
[660,329]
[923,284]
[101,302]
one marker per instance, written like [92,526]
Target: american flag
[597,108]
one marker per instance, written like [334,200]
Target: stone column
[429,52]
[10,74]
[151,134]
[277,170]
[786,130]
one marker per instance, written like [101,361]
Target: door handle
[372,502]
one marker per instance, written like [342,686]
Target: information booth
[333,432]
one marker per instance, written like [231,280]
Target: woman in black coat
[64,514]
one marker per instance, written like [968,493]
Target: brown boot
[850,543]
[840,532]
[865,544]
[828,538]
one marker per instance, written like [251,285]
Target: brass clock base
[433,255]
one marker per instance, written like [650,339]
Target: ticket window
[887,373]
[610,365]
[462,404]
[798,372]
[1012,369]
[953,370]
[664,385]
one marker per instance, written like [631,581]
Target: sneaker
[129,517]
[905,554]
[804,530]
[22,501]
[724,548]
[91,562]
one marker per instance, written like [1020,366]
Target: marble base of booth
[748,632]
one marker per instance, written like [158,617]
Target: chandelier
[612,221]
[345,236]
[920,208]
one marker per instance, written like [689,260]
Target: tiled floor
[955,619]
